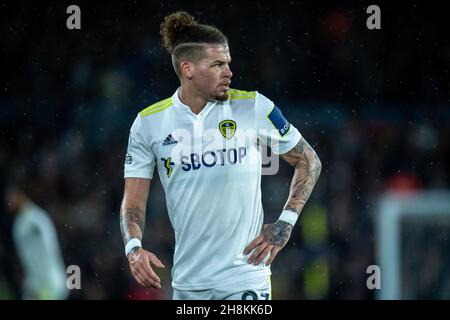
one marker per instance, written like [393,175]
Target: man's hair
[185,38]
[22,177]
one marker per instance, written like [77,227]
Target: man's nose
[227,72]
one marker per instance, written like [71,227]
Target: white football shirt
[210,168]
[40,254]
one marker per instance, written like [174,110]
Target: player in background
[37,247]
[222,248]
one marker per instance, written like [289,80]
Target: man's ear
[187,69]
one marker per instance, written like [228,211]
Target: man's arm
[275,236]
[132,210]
[307,170]
[132,223]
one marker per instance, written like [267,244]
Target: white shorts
[254,289]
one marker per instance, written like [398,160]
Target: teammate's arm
[275,236]
[132,223]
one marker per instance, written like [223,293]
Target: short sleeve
[273,128]
[139,160]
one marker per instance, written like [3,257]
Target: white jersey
[40,254]
[210,168]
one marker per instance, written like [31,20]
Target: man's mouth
[226,85]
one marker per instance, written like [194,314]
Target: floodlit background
[373,103]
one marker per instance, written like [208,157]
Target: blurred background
[373,103]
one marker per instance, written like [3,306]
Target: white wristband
[289,217]
[132,243]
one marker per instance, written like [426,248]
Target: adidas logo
[169,140]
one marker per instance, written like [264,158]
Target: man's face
[11,199]
[212,74]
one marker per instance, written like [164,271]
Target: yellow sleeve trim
[235,94]
[156,107]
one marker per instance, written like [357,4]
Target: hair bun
[174,27]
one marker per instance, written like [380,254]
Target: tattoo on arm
[277,233]
[132,222]
[307,170]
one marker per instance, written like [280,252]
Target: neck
[192,98]
[21,203]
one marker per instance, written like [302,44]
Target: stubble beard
[221,96]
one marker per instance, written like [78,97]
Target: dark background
[373,103]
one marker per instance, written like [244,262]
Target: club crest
[227,128]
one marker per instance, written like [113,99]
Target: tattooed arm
[132,223]
[307,170]
[132,210]
[275,236]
